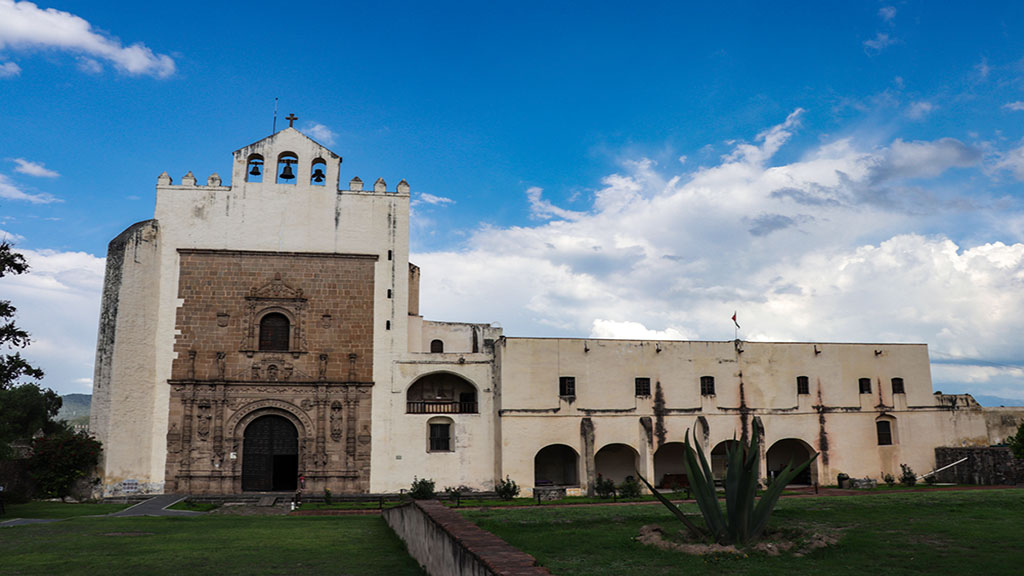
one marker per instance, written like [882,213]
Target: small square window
[803,385]
[567,386]
[897,386]
[643,386]
[884,428]
[441,437]
[707,385]
[865,385]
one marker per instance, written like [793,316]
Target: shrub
[1016,442]
[328,499]
[630,488]
[422,488]
[930,479]
[507,489]
[889,479]
[907,476]
[746,517]
[604,487]
[60,460]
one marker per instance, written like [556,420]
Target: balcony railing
[436,407]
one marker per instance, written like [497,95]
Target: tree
[60,460]
[1017,442]
[25,407]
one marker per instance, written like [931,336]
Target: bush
[604,487]
[1016,442]
[930,479]
[889,479]
[907,476]
[630,488]
[60,460]
[422,488]
[328,499]
[507,489]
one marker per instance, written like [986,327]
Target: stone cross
[291,118]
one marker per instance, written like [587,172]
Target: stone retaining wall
[446,544]
[985,465]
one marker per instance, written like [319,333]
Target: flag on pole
[734,321]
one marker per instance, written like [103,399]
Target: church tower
[244,328]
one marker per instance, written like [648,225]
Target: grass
[194,506]
[40,509]
[887,533]
[225,545]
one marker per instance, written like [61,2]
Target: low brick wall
[447,544]
[985,465]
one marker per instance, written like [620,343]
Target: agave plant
[745,517]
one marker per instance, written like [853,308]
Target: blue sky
[834,171]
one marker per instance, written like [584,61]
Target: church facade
[266,336]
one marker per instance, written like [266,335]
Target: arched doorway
[556,465]
[791,450]
[616,461]
[270,455]
[669,470]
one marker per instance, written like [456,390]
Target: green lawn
[59,510]
[243,545]
[961,532]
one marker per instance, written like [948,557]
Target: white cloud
[1012,160]
[11,191]
[804,250]
[876,45]
[9,70]
[425,198]
[58,304]
[24,26]
[33,168]
[919,110]
[1017,106]
[320,133]
[887,13]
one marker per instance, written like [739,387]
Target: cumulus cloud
[320,133]
[9,70]
[58,304]
[10,190]
[33,168]
[1017,106]
[25,26]
[1012,160]
[803,249]
[425,198]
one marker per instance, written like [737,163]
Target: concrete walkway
[156,506]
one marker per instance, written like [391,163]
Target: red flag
[734,320]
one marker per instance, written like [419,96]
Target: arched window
[274,332]
[436,346]
[254,168]
[319,172]
[865,385]
[883,426]
[803,385]
[439,435]
[286,164]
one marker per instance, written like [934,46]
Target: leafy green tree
[61,459]
[12,366]
[1017,442]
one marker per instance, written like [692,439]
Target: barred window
[803,385]
[707,385]
[274,332]
[440,436]
[643,386]
[884,429]
[567,386]
[865,385]
[897,386]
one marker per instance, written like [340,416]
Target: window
[567,386]
[897,386]
[803,385]
[274,332]
[884,428]
[436,346]
[643,386]
[865,385]
[440,439]
[707,385]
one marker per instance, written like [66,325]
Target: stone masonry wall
[985,465]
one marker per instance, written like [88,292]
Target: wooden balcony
[439,407]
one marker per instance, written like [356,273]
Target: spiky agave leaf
[702,481]
[693,528]
[771,496]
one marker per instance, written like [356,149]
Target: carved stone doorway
[270,455]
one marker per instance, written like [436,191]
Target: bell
[318,175]
[255,170]
[287,173]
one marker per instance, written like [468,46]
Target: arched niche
[556,465]
[318,172]
[616,461]
[287,168]
[270,454]
[441,393]
[254,168]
